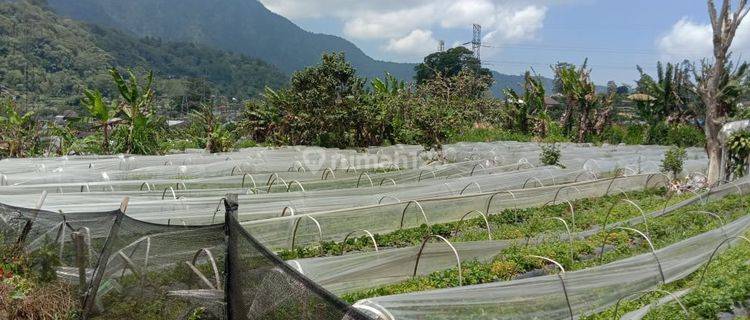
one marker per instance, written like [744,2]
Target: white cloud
[417,43]
[395,23]
[516,26]
[690,40]
[388,25]
[466,12]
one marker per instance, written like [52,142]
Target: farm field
[328,233]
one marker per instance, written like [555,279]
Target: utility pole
[476,42]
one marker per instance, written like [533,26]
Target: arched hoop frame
[289,186]
[369,235]
[164,193]
[434,176]
[287,209]
[145,183]
[473,183]
[178,183]
[296,227]
[571,208]
[492,197]
[722,223]
[486,223]
[271,182]
[660,175]
[560,273]
[236,169]
[711,258]
[381,314]
[530,179]
[387,197]
[641,293]
[524,161]
[632,204]
[327,172]
[567,230]
[387,179]
[222,202]
[591,173]
[650,245]
[557,193]
[421,210]
[359,180]
[475,167]
[455,252]
[216,285]
[244,176]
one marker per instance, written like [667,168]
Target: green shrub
[739,151]
[674,159]
[657,134]
[550,155]
[246,143]
[684,135]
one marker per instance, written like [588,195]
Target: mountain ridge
[48,60]
[240,26]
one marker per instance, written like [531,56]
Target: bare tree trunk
[567,115]
[583,126]
[105,144]
[602,119]
[724,24]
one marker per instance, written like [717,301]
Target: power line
[532,63]
[583,49]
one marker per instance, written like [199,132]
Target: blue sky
[614,35]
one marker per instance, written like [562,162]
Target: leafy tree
[101,113]
[449,64]
[674,160]
[323,98]
[441,107]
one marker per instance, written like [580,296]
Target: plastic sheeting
[588,291]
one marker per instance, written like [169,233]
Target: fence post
[101,264]
[81,262]
[230,207]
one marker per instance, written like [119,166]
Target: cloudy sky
[521,34]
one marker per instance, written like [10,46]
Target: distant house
[550,102]
[66,116]
[176,123]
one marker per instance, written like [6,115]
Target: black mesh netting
[262,286]
[39,229]
[141,270]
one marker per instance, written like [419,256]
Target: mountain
[243,26]
[46,61]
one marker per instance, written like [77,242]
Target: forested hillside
[243,26]
[46,61]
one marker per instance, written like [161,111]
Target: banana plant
[101,113]
[16,129]
[390,85]
[135,110]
